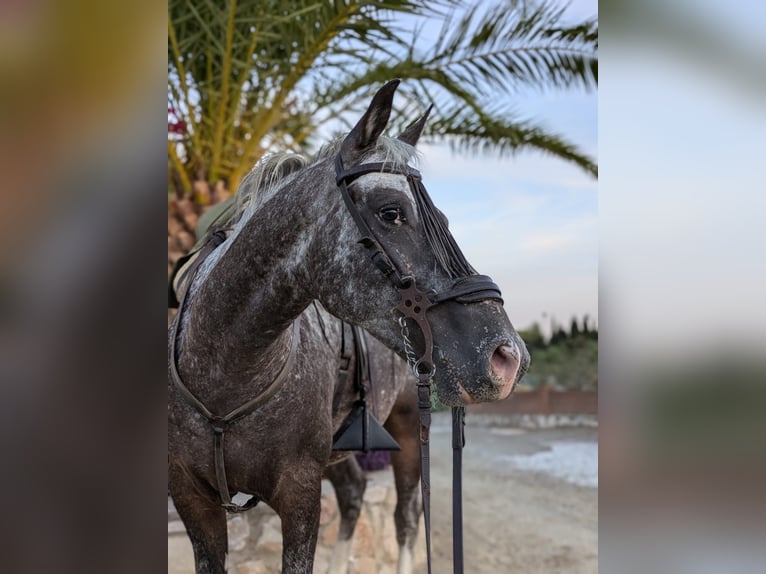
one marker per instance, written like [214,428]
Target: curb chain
[409,351]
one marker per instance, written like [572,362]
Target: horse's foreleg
[297,501]
[349,483]
[204,519]
[404,427]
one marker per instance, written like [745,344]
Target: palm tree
[246,77]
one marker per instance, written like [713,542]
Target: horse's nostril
[505,365]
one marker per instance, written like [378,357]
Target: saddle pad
[216,217]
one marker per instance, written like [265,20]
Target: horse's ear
[366,133]
[412,134]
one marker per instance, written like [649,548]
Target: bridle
[414,304]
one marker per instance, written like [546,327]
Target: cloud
[475,174]
[529,221]
[542,243]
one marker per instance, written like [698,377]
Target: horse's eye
[392,215]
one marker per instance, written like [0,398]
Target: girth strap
[362,370]
[356,351]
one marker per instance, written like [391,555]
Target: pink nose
[505,366]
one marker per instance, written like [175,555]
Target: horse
[367,370]
[387,379]
[248,333]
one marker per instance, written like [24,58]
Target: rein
[468,287]
[220,424]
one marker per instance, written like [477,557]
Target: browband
[349,175]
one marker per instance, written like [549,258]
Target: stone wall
[255,540]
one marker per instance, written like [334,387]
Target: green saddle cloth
[218,216]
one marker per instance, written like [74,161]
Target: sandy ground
[530,500]
[523,512]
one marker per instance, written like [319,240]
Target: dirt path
[516,521]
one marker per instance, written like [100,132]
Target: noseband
[414,302]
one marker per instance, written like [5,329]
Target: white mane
[271,174]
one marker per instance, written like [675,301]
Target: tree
[246,77]
[566,361]
[533,337]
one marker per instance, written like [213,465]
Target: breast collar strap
[221,423]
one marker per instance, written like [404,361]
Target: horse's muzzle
[507,362]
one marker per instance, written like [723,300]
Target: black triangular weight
[361,431]
[345,438]
[378,437]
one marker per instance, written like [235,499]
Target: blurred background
[89,129]
[681,193]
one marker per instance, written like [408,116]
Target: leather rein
[414,304]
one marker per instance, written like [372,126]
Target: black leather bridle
[414,304]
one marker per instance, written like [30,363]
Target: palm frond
[504,49]
[500,134]
[248,76]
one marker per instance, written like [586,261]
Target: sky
[530,221]
[683,180]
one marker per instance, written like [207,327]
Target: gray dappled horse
[247,320]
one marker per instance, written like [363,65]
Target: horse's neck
[239,316]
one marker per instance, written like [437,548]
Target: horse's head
[389,264]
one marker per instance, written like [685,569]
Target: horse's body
[284,467]
[295,243]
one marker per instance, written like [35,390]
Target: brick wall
[544,401]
